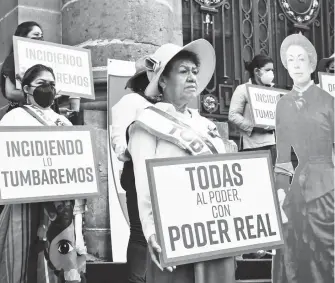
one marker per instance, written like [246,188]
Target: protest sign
[72,65]
[47,164]
[209,207]
[263,101]
[327,82]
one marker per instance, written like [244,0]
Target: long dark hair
[24,29]
[139,85]
[32,73]
[257,62]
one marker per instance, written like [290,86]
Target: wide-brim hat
[140,69]
[324,63]
[157,62]
[300,40]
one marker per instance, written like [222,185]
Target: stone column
[124,30]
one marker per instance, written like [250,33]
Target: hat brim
[129,83]
[324,62]
[207,60]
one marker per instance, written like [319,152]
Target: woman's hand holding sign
[154,250]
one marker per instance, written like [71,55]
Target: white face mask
[267,77]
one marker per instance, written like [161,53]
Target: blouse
[143,145]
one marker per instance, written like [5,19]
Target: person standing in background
[260,70]
[8,78]
[125,111]
[15,97]
[261,73]
[327,64]
[123,114]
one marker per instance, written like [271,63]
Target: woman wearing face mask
[22,226]
[251,138]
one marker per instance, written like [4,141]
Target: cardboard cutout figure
[60,252]
[305,122]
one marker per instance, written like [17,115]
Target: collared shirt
[301,90]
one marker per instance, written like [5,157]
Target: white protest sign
[327,82]
[209,207]
[47,164]
[72,65]
[263,101]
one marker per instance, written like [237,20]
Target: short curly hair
[300,40]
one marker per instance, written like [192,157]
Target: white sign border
[25,129]
[320,75]
[17,63]
[252,106]
[199,257]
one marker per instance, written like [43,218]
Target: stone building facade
[124,30]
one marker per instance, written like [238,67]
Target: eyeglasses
[152,64]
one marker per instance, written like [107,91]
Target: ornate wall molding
[300,12]
[211,3]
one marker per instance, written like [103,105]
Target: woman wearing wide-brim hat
[180,74]
[305,122]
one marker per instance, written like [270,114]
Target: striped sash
[39,115]
[167,127]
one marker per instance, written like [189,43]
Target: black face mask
[44,95]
